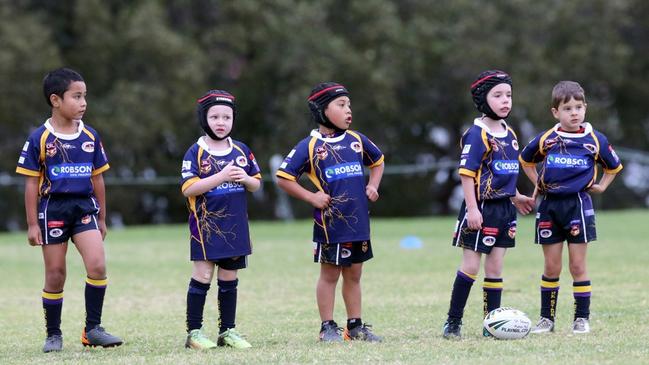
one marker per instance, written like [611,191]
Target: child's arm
[523,203]
[319,199]
[206,184]
[530,171]
[100,193]
[603,183]
[372,188]
[473,216]
[31,202]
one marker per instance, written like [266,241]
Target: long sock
[227,304]
[95,291]
[460,294]
[549,297]
[52,306]
[492,290]
[581,292]
[196,294]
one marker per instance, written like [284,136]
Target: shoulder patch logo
[356,146]
[515,144]
[88,146]
[241,161]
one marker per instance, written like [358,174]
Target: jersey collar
[201,142]
[480,124]
[67,137]
[587,129]
[318,135]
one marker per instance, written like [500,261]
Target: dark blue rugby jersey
[64,163]
[569,160]
[491,159]
[335,166]
[218,219]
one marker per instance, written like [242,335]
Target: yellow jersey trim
[28,172]
[525,163]
[615,170]
[100,170]
[189,183]
[467,172]
[377,163]
[285,175]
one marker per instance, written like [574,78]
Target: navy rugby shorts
[498,227]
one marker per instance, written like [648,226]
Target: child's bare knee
[55,276]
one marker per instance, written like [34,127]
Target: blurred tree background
[408,65]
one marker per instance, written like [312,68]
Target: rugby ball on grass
[507,323]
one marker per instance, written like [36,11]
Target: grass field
[406,296]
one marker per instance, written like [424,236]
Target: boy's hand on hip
[372,193]
[34,235]
[320,200]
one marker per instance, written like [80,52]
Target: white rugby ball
[507,323]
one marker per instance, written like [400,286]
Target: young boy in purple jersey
[216,173]
[333,157]
[487,220]
[568,153]
[63,161]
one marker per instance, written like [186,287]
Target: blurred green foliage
[408,65]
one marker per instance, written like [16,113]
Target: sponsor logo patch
[610,148]
[241,161]
[70,171]
[55,224]
[545,233]
[187,165]
[343,171]
[590,147]
[489,240]
[56,232]
[505,167]
[21,160]
[466,149]
[545,224]
[515,144]
[321,152]
[50,149]
[364,246]
[88,147]
[511,232]
[559,161]
[227,187]
[490,231]
[345,253]
[86,219]
[206,167]
[26,146]
[356,146]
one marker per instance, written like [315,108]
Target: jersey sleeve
[295,163]
[252,168]
[607,156]
[100,160]
[189,171]
[473,150]
[372,155]
[531,154]
[29,160]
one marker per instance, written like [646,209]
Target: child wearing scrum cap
[487,220]
[216,173]
[333,157]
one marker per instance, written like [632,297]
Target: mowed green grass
[406,296]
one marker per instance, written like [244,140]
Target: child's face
[219,118]
[73,104]
[570,114]
[499,99]
[339,112]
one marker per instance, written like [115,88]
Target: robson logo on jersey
[503,167]
[71,171]
[567,162]
[344,171]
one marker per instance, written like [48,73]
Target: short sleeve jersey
[569,160]
[491,159]
[64,163]
[335,166]
[219,217]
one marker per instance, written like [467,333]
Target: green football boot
[198,341]
[231,338]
